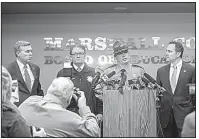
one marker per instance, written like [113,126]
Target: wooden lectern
[132,114]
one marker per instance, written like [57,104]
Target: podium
[132,114]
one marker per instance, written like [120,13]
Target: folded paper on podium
[131,114]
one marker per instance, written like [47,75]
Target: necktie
[27,78]
[78,69]
[173,79]
[122,81]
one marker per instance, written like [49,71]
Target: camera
[76,92]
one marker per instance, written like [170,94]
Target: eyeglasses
[80,54]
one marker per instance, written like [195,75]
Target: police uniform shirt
[132,71]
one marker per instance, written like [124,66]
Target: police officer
[121,55]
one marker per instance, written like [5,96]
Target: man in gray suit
[175,103]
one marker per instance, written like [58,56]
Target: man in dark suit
[175,103]
[81,75]
[26,73]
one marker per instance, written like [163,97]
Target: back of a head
[6,85]
[61,87]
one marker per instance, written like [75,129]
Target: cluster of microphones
[139,83]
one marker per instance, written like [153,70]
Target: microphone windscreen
[111,74]
[145,81]
[95,79]
[149,78]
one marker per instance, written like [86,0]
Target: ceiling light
[120,8]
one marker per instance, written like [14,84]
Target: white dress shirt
[179,66]
[21,67]
[76,67]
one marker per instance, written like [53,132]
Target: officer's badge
[90,79]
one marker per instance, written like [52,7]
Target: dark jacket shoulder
[13,124]
[189,66]
[88,68]
[34,65]
[12,65]
[163,67]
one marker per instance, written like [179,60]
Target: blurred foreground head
[6,85]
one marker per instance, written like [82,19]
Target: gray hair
[20,44]
[77,45]
[6,85]
[61,87]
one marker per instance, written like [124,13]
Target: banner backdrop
[51,35]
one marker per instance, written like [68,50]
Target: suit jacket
[24,93]
[180,100]
[80,81]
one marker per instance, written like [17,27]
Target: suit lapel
[19,75]
[182,74]
[33,70]
[167,79]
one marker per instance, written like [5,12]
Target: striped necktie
[27,78]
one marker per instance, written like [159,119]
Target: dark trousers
[172,130]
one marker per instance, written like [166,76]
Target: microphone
[136,83]
[147,83]
[104,78]
[95,80]
[153,81]
[122,82]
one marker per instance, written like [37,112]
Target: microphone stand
[158,106]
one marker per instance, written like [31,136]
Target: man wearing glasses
[81,75]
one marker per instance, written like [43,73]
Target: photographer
[50,112]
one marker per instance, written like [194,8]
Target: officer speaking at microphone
[122,72]
[123,67]
[122,57]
